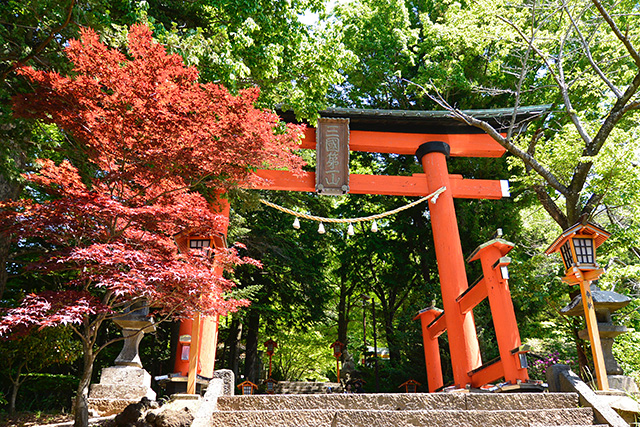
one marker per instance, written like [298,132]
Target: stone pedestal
[120,386]
[605,302]
[126,382]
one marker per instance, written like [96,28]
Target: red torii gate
[432,137]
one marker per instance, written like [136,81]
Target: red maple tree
[152,134]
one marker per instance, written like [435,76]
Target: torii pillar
[463,339]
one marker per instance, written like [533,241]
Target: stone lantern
[126,382]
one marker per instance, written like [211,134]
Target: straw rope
[433,196]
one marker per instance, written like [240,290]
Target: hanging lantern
[350,231]
[374,226]
[296,223]
[577,245]
[321,229]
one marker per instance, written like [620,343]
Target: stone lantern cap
[602,301]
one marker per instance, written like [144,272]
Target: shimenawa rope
[433,196]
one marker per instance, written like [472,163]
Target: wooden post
[431,349]
[193,355]
[592,328]
[463,339]
[504,318]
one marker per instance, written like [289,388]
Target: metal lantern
[271,345]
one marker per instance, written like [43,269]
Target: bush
[47,392]
[538,367]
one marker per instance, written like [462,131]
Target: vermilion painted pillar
[504,318]
[463,339]
[431,349]
[207,328]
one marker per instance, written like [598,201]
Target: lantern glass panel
[269,386]
[584,250]
[199,243]
[246,389]
[565,250]
[411,388]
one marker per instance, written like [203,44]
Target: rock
[133,413]
[174,418]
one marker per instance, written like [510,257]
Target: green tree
[34,352]
[582,59]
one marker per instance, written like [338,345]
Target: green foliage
[47,392]
[246,43]
[301,355]
[625,350]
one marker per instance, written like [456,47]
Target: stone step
[297,387]
[401,401]
[383,418]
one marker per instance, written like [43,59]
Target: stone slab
[562,378]
[623,383]
[520,401]
[209,403]
[229,380]
[383,418]
[121,392]
[125,375]
[396,401]
[107,407]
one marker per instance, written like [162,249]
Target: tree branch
[41,46]
[551,207]
[587,52]
[614,27]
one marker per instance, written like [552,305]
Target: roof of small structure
[435,122]
[602,300]
[589,229]
[409,382]
[246,383]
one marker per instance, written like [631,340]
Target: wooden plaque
[332,155]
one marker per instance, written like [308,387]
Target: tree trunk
[81,406]
[390,335]
[343,311]
[9,190]
[251,363]
[14,390]
[233,340]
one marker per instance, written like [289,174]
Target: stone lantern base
[119,386]
[623,383]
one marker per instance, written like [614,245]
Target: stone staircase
[381,410]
